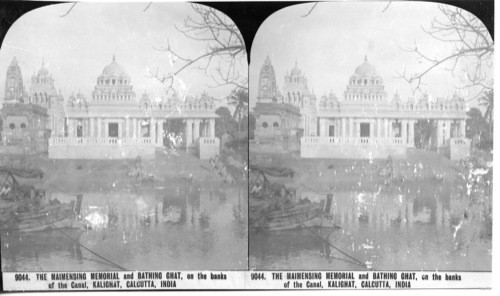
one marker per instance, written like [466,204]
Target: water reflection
[387,230]
[183,226]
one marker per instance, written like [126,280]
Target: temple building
[367,124]
[25,126]
[113,124]
[277,120]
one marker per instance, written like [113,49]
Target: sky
[333,40]
[76,47]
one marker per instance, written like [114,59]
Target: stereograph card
[246,146]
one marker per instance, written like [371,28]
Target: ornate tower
[14,89]
[295,88]
[267,83]
[42,90]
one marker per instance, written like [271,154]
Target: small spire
[366,58]
[114,58]
[295,63]
[43,62]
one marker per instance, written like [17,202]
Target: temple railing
[358,141]
[53,141]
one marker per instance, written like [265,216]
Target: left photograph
[124,139]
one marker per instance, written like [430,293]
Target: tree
[471,43]
[487,101]
[252,121]
[476,125]
[239,99]
[225,123]
[224,52]
[423,133]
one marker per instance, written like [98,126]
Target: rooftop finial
[366,58]
[43,62]
[114,58]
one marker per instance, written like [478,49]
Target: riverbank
[169,166]
[345,175]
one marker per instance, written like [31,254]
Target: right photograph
[371,139]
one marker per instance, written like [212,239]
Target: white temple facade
[113,124]
[366,124]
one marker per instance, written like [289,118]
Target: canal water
[177,226]
[382,230]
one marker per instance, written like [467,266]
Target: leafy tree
[225,123]
[487,101]
[423,133]
[476,125]
[239,99]
[252,121]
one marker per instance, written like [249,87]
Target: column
[386,127]
[189,131]
[196,129]
[404,134]
[99,125]
[152,129]
[411,134]
[439,133]
[462,128]
[343,128]
[322,128]
[134,128]
[351,127]
[212,128]
[92,129]
[372,129]
[159,133]
[127,128]
[391,128]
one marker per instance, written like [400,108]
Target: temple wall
[459,148]
[208,147]
[353,148]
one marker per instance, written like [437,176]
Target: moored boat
[24,208]
[274,207]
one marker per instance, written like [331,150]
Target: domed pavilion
[113,124]
[367,124]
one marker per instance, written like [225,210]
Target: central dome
[366,69]
[113,69]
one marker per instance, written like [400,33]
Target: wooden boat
[274,207]
[24,208]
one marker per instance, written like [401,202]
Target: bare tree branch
[387,6]
[224,53]
[71,8]
[147,6]
[471,44]
[312,8]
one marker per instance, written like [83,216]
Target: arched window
[23,125]
[275,124]
[366,81]
[12,126]
[264,125]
